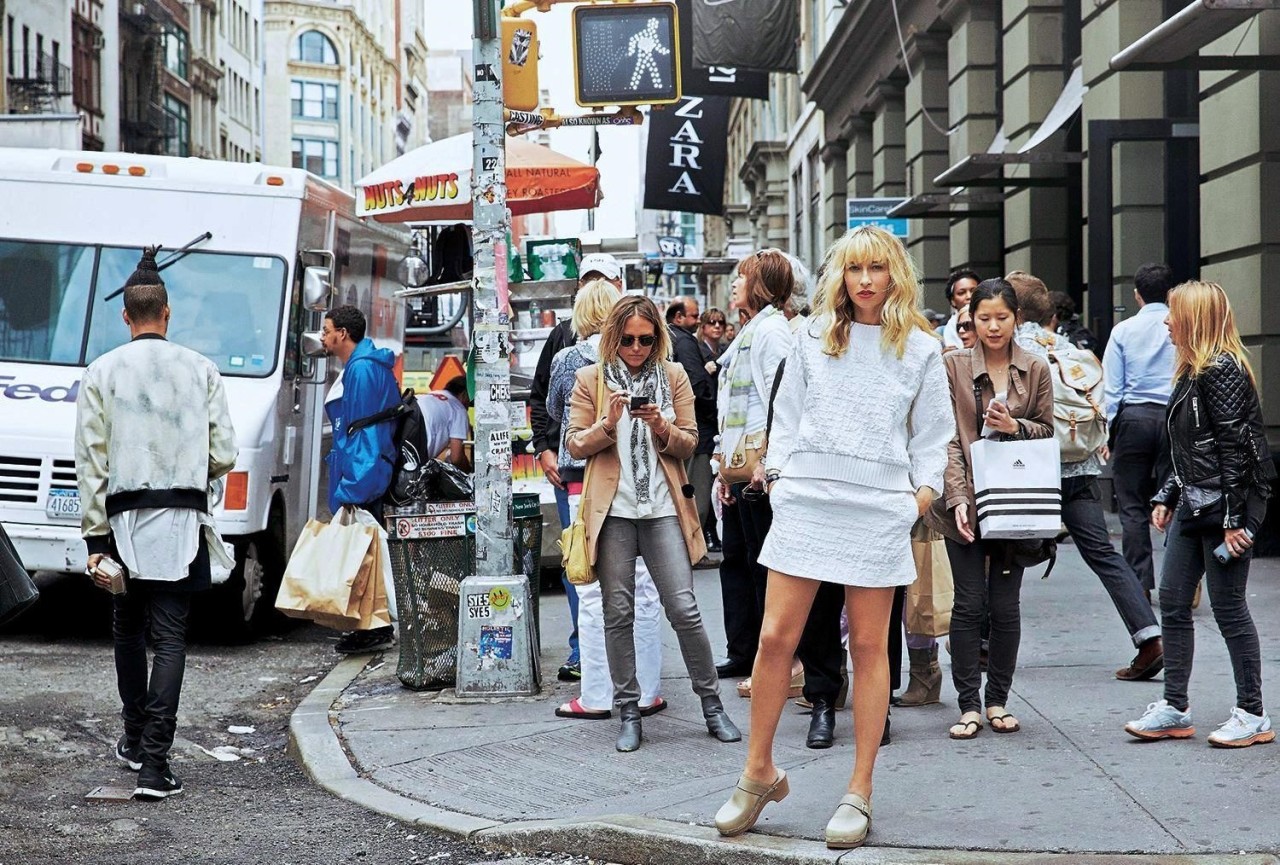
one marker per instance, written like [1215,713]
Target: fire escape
[40,86]
[144,126]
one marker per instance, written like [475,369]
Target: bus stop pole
[491,330]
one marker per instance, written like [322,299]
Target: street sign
[628,54]
[671,247]
[874,211]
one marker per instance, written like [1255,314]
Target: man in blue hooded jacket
[360,463]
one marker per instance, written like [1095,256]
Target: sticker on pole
[478,606]
[495,642]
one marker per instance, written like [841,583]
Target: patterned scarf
[650,381]
[736,383]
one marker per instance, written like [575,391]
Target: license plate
[63,504]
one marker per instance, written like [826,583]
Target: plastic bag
[445,482]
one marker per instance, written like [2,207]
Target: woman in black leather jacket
[1210,506]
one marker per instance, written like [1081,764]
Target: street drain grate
[544,776]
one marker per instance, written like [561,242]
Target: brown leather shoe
[1146,664]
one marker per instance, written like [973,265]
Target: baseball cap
[602,263]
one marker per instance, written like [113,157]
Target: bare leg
[786,608]
[869,611]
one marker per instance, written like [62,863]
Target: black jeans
[984,592]
[1139,461]
[1186,557]
[1083,516]
[742,586]
[150,706]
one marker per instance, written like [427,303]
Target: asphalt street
[59,722]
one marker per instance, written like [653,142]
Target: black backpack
[409,435]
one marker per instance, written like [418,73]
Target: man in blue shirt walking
[1138,369]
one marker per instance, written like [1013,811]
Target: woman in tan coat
[631,417]
[1015,393]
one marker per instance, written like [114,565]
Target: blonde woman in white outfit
[856,456]
[591,308]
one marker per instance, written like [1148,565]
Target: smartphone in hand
[640,402]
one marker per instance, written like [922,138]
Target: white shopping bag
[1018,487]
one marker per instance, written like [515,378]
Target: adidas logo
[1019,464]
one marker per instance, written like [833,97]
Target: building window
[314,100]
[177,50]
[314,47]
[86,67]
[317,156]
[178,121]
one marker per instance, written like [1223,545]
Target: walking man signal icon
[643,46]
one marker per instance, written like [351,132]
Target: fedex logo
[9,389]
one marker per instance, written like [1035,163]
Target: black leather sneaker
[153,785]
[358,642]
[130,755]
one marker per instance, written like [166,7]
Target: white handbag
[1018,487]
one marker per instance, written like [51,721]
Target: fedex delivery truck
[252,256]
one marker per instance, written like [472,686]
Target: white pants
[597,683]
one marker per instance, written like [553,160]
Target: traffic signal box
[626,54]
[519,64]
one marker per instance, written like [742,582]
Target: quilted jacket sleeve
[1228,395]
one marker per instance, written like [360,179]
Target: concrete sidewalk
[509,774]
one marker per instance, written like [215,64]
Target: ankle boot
[718,723]
[925,688]
[629,736]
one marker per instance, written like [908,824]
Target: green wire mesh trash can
[433,548]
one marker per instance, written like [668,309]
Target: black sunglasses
[628,340]
[715,321]
[964,326]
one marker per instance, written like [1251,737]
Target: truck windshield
[225,306]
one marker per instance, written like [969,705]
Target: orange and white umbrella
[433,183]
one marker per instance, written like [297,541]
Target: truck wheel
[247,600]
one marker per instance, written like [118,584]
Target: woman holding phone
[998,388]
[631,417]
[1209,508]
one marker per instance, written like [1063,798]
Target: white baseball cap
[601,263]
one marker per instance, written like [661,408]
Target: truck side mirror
[312,346]
[316,289]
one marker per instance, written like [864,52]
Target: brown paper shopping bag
[931,596]
[328,572]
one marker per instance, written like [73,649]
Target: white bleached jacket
[152,431]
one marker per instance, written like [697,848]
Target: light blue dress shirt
[1138,363]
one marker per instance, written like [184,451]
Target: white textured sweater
[868,417]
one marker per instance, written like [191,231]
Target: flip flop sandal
[575,709]
[991,719]
[657,706]
[967,734]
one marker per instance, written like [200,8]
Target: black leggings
[984,591]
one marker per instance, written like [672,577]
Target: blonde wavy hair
[901,314]
[1205,328]
[592,305]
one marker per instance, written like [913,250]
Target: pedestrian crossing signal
[520,64]
[626,54]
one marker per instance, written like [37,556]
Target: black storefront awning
[1176,43]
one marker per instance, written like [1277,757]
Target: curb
[315,744]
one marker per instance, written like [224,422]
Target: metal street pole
[490,334]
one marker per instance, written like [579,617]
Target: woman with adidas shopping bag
[638,501]
[1209,508]
[997,390]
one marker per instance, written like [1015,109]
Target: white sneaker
[1243,730]
[1161,721]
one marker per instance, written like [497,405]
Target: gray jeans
[662,545]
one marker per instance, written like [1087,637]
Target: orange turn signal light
[237,492]
[111,169]
[275,180]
